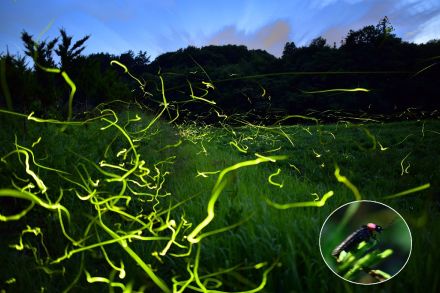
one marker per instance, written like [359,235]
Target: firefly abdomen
[364,233]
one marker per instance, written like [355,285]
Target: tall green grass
[185,159]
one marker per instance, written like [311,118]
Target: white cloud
[320,4]
[428,31]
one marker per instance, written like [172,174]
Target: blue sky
[161,26]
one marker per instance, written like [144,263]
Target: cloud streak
[271,37]
[414,21]
[161,26]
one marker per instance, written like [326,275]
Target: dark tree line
[397,74]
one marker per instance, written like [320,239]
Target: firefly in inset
[364,233]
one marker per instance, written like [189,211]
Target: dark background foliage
[399,75]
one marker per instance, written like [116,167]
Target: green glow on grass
[112,204]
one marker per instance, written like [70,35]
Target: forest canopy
[391,74]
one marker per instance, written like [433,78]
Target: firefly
[364,233]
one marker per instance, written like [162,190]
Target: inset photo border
[365,242]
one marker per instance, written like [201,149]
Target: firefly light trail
[118,203]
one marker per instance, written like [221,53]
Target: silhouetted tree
[384,27]
[371,36]
[46,92]
[18,81]
[239,75]
[67,53]
[41,52]
[318,43]
[137,64]
[289,50]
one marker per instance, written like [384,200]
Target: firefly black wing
[361,234]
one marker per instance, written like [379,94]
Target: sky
[159,26]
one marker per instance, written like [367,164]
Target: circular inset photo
[365,242]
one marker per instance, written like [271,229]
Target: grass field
[117,202]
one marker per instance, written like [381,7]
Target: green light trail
[347,183]
[219,186]
[131,193]
[314,203]
[409,191]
